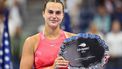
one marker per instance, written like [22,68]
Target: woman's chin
[54,24]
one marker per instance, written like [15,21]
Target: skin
[116,26]
[51,31]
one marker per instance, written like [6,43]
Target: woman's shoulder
[32,41]
[68,34]
[33,38]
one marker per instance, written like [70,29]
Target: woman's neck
[52,33]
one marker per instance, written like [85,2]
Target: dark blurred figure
[87,11]
[102,19]
[73,7]
[114,39]
[117,14]
[67,19]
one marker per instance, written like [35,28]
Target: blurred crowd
[101,17]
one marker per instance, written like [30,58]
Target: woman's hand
[61,63]
[105,58]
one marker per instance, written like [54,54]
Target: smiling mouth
[54,21]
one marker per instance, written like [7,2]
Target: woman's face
[53,14]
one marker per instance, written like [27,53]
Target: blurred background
[102,17]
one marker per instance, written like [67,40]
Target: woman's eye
[50,11]
[58,12]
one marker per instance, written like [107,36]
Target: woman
[41,50]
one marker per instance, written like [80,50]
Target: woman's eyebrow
[55,11]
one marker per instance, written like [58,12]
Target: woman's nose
[54,16]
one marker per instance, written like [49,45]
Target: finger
[60,58]
[62,61]
[61,66]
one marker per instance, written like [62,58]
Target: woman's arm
[27,54]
